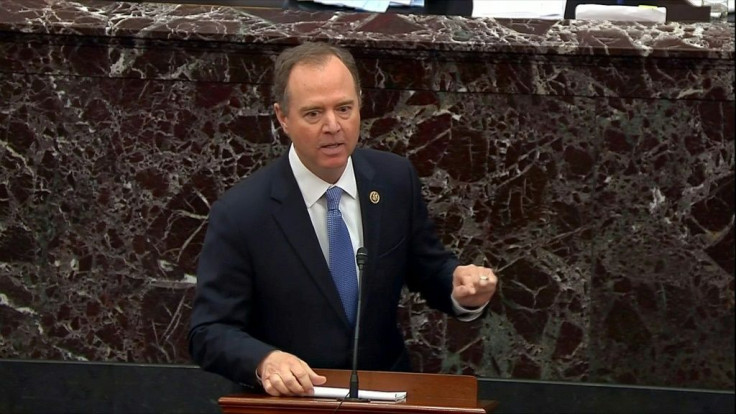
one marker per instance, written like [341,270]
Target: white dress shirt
[313,190]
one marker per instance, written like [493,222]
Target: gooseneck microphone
[360,257]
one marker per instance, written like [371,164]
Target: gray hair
[311,53]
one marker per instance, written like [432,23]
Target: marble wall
[592,165]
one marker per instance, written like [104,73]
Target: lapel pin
[374,197]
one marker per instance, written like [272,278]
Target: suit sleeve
[218,336]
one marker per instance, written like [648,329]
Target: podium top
[426,393]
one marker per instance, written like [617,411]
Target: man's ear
[281,117]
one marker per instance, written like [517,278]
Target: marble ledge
[385,31]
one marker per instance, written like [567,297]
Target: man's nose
[331,123]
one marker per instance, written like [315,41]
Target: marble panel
[592,164]
[662,285]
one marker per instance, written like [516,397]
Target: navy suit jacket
[264,284]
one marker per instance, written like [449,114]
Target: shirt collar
[313,187]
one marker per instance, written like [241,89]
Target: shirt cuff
[464,314]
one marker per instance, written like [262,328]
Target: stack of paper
[621,13]
[378,6]
[339,393]
[699,3]
[518,9]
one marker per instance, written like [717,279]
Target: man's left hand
[473,286]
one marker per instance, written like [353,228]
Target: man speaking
[277,280]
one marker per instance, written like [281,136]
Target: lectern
[426,393]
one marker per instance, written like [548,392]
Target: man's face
[323,118]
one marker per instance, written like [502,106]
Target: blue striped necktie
[342,257]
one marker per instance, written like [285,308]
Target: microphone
[360,257]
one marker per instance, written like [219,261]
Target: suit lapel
[370,206]
[293,219]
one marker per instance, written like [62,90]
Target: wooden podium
[425,393]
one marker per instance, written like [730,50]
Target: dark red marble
[591,164]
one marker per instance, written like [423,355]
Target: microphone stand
[361,257]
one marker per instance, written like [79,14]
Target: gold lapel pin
[374,197]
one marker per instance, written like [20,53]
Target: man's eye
[344,110]
[311,115]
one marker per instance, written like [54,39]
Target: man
[267,308]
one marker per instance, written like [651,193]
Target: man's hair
[310,53]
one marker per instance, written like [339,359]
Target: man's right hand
[283,374]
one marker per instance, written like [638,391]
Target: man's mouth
[335,145]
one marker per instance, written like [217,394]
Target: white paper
[621,13]
[519,9]
[332,392]
[699,3]
[367,5]
[378,6]
[408,3]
